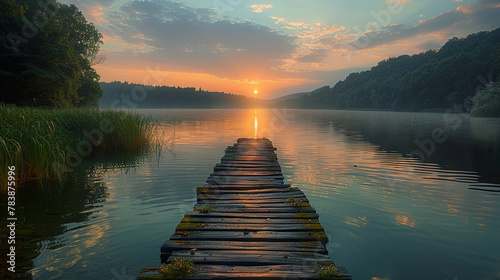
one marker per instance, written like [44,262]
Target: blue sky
[277,47]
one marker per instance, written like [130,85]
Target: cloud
[315,56]
[467,9]
[92,9]
[484,15]
[290,24]
[198,39]
[399,1]
[256,8]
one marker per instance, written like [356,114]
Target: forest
[130,95]
[430,81]
[47,50]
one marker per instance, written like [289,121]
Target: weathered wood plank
[305,271]
[195,214]
[244,257]
[268,210]
[250,201]
[254,236]
[246,177]
[229,181]
[247,173]
[249,227]
[249,187]
[268,220]
[179,245]
[236,204]
[232,168]
[273,166]
[251,159]
[246,195]
[246,162]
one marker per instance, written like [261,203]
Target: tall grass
[38,141]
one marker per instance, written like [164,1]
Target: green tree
[486,102]
[46,53]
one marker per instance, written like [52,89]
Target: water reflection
[387,214]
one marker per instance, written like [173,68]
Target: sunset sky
[277,47]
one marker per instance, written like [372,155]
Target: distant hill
[129,95]
[290,96]
[425,81]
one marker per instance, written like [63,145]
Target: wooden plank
[246,162]
[243,158]
[244,257]
[268,210]
[249,187]
[254,236]
[248,165]
[270,272]
[250,152]
[249,227]
[248,168]
[268,220]
[244,192]
[229,181]
[247,195]
[242,189]
[196,214]
[247,173]
[236,204]
[179,245]
[246,177]
[305,271]
[249,201]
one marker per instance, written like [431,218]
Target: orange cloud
[94,13]
[260,8]
[399,1]
[467,9]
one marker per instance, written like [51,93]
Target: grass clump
[207,196]
[43,144]
[188,226]
[313,226]
[191,220]
[204,208]
[297,203]
[327,272]
[177,269]
[320,236]
[304,216]
[204,189]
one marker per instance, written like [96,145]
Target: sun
[255,91]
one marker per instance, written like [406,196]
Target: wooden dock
[248,224]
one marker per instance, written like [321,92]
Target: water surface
[388,214]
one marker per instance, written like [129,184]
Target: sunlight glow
[255,127]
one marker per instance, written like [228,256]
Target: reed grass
[38,141]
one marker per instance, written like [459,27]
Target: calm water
[388,216]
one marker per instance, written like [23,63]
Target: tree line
[131,95]
[47,50]
[434,79]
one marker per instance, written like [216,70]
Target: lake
[401,195]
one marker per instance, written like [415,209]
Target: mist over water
[387,215]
